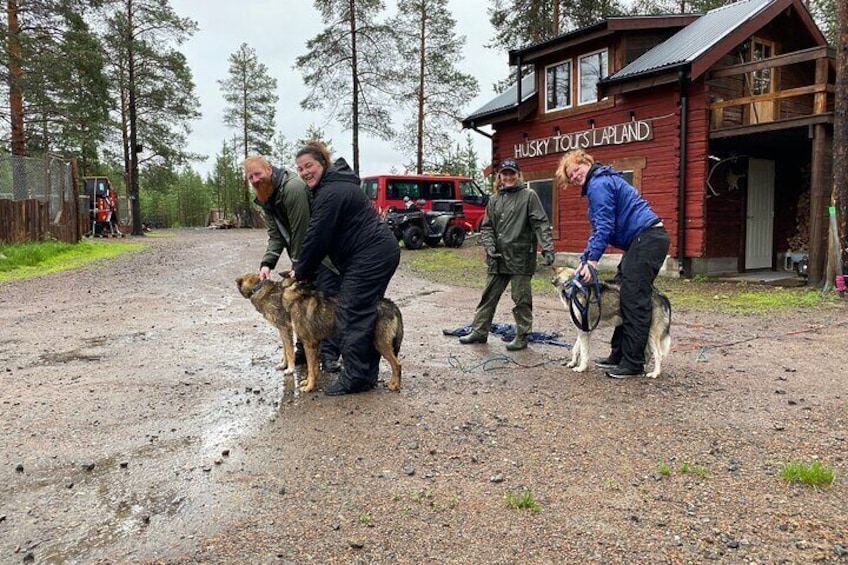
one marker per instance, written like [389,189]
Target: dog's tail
[389,311]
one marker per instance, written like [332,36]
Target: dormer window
[558,86]
[565,81]
[593,67]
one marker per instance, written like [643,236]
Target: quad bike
[415,226]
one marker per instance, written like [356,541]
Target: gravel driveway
[143,422]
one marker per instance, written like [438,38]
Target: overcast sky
[278,31]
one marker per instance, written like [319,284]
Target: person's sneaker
[624,373]
[473,337]
[330,366]
[607,362]
[517,344]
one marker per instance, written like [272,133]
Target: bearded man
[285,203]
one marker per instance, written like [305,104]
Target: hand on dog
[264,272]
[548,258]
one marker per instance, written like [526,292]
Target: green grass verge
[465,267]
[35,259]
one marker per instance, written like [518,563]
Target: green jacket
[286,214]
[514,223]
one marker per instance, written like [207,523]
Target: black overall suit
[346,227]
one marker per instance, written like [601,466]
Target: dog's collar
[256,288]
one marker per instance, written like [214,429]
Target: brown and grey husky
[608,311]
[313,318]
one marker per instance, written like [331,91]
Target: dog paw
[289,371]
[579,368]
[571,364]
[280,366]
[393,385]
[652,375]
[307,388]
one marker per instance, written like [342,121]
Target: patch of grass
[466,266]
[698,470]
[612,484]
[33,259]
[740,298]
[811,474]
[663,469]
[422,495]
[522,500]
[365,518]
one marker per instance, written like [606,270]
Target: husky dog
[313,317]
[267,297]
[608,311]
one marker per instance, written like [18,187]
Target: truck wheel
[413,237]
[432,241]
[454,236]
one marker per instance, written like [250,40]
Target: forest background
[107,83]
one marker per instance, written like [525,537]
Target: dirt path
[142,422]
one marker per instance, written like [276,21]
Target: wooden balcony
[802,93]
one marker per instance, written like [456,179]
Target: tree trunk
[16,99]
[355,78]
[840,127]
[248,216]
[422,57]
[135,205]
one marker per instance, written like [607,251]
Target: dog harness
[579,309]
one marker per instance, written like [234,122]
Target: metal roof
[506,100]
[694,40]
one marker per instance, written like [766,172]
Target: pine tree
[431,86]
[154,85]
[346,68]
[251,96]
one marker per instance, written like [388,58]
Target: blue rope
[494,363]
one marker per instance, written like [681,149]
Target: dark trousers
[636,274]
[363,284]
[329,283]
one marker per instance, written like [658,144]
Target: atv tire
[413,237]
[454,236]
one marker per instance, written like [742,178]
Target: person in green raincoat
[514,224]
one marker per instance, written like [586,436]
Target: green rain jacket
[514,223]
[286,214]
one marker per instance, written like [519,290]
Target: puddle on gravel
[157,499]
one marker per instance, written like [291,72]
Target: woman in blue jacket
[623,219]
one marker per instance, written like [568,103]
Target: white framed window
[592,68]
[558,86]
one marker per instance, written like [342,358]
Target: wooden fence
[39,200]
[29,220]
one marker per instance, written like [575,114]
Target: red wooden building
[724,122]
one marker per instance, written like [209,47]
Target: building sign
[617,134]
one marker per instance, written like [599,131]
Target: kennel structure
[723,121]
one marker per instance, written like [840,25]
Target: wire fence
[48,179]
[38,198]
